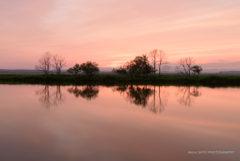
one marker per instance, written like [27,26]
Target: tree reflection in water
[142,95]
[89,92]
[187,95]
[120,89]
[138,95]
[58,97]
[49,97]
[159,102]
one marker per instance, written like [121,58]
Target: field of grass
[119,79]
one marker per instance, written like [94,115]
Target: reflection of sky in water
[117,124]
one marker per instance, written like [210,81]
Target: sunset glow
[113,32]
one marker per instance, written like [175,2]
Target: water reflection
[138,95]
[145,96]
[50,97]
[58,97]
[159,102]
[89,92]
[187,95]
[120,89]
[135,94]
[154,98]
[113,129]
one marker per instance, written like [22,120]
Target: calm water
[119,123]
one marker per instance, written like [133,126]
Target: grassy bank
[116,79]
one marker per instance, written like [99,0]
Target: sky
[112,32]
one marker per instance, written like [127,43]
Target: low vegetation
[111,78]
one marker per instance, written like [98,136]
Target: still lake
[119,123]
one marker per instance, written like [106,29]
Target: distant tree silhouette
[44,63]
[58,63]
[185,66]
[75,69]
[139,66]
[120,70]
[162,66]
[154,54]
[89,68]
[196,69]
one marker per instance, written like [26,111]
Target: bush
[75,70]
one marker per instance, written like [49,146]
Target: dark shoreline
[110,79]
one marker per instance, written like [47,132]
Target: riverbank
[120,79]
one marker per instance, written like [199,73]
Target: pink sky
[111,32]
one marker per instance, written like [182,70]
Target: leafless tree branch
[44,63]
[185,66]
[58,63]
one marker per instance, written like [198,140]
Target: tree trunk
[159,71]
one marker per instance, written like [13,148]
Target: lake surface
[119,123]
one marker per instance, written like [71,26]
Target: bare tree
[44,63]
[185,66]
[58,63]
[162,62]
[153,54]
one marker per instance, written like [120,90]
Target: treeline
[139,70]
[49,61]
[89,68]
[142,66]
[139,66]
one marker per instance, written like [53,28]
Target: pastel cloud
[111,32]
